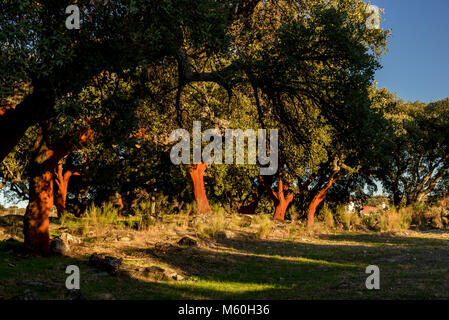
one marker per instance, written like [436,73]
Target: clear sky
[417,64]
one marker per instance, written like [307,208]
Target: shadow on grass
[388,239]
[210,275]
[235,269]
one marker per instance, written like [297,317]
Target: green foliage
[327,217]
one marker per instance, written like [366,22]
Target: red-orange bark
[319,197]
[281,202]
[120,206]
[36,219]
[199,191]
[45,161]
[62,181]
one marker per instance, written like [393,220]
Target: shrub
[347,219]
[327,217]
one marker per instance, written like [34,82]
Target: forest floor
[236,263]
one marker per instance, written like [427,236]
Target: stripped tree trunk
[281,202]
[36,219]
[199,191]
[319,197]
[62,181]
[45,161]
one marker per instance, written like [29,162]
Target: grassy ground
[285,264]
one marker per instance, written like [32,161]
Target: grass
[281,262]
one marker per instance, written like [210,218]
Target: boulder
[225,234]
[187,241]
[59,247]
[109,264]
[156,273]
[67,237]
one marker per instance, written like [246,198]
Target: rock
[177,277]
[225,234]
[59,247]
[164,247]
[156,273]
[154,269]
[187,241]
[67,237]
[109,264]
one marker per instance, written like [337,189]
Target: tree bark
[36,219]
[319,197]
[280,201]
[62,182]
[199,191]
[45,161]
[15,120]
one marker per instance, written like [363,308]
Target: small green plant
[236,221]
[143,208]
[210,225]
[327,217]
[264,224]
[344,217]
[406,218]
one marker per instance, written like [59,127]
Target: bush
[348,220]
[327,217]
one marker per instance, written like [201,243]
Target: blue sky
[417,64]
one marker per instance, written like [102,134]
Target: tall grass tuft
[264,225]
[210,225]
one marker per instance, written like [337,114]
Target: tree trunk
[282,203]
[250,208]
[256,196]
[396,198]
[62,181]
[199,191]
[36,219]
[279,199]
[317,200]
[16,119]
[45,161]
